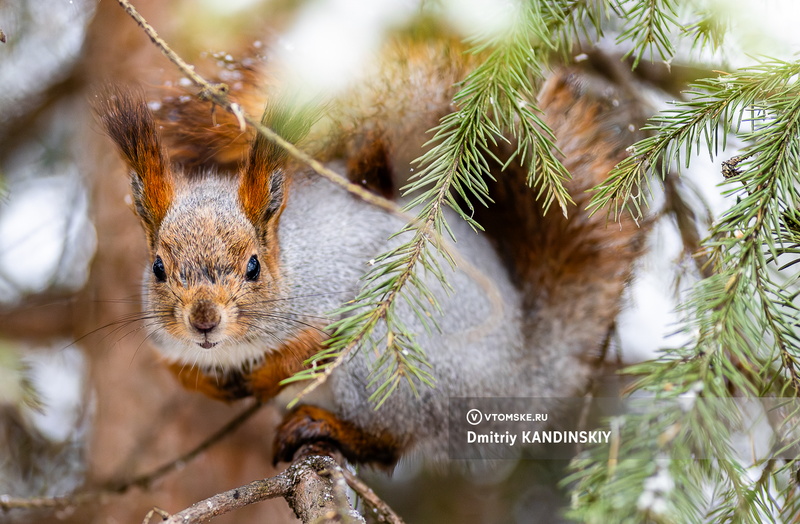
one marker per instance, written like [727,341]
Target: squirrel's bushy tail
[572,270]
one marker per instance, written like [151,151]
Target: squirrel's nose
[204,316]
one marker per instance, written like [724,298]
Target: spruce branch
[573,21]
[649,26]
[716,107]
[708,31]
[495,104]
[746,339]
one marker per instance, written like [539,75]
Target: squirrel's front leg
[312,425]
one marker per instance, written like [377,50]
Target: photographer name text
[539,437]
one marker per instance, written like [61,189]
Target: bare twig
[8,502]
[153,512]
[120,487]
[312,485]
[145,480]
[221,503]
[218,94]
[383,512]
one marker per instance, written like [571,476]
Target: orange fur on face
[210,272]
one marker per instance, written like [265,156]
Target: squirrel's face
[212,293]
[208,278]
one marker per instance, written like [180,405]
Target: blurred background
[83,399]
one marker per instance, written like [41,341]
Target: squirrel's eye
[158,270]
[253,269]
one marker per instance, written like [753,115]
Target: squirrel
[247,258]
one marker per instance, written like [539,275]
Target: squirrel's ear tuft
[262,190]
[129,122]
[263,195]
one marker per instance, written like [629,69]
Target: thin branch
[8,503]
[383,512]
[221,503]
[145,480]
[312,485]
[121,486]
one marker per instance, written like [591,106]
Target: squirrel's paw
[313,425]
